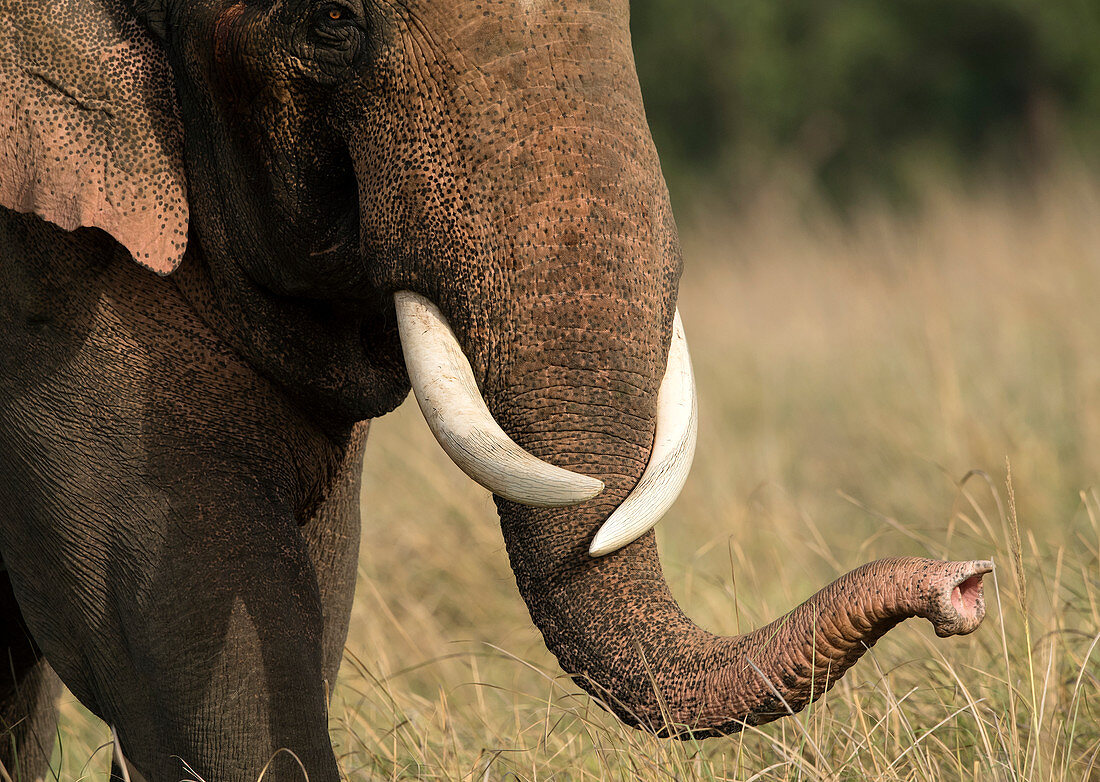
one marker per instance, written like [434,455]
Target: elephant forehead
[482,31]
[468,9]
[501,106]
[516,89]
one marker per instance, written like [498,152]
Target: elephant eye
[338,34]
[331,17]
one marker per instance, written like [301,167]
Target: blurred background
[845,99]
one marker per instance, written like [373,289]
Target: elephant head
[465,195]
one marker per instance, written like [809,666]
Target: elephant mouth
[334,194]
[341,240]
[456,413]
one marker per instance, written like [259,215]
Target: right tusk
[456,413]
[669,460]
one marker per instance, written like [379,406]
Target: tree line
[866,94]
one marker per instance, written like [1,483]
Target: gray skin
[180,452]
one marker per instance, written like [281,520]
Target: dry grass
[863,391]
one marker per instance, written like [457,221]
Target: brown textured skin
[181,455]
[182,542]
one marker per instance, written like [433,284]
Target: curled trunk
[587,402]
[611,621]
[613,624]
[571,399]
[780,668]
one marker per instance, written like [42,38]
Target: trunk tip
[982,566]
[958,598]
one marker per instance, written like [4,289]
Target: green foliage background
[865,95]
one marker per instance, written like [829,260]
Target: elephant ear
[90,133]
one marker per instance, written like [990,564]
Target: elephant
[235,231]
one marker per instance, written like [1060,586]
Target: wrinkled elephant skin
[181,438]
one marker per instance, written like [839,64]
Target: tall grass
[924,385]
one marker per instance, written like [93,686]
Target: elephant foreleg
[208,652]
[332,539]
[28,696]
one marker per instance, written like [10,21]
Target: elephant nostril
[965,596]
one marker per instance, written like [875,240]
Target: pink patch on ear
[89,130]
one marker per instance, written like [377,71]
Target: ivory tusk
[462,424]
[669,461]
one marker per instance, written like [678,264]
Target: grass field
[925,385]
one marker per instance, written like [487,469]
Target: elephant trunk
[780,668]
[583,397]
[611,621]
[614,626]
[538,228]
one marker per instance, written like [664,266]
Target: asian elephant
[330,201]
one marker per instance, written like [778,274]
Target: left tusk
[448,395]
[669,461]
